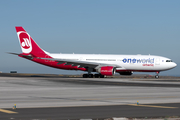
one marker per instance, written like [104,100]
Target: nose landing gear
[157,75]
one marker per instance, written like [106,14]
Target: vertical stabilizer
[28,45]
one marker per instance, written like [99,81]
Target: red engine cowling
[107,70]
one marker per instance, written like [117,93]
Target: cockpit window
[168,60]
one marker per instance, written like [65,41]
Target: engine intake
[107,70]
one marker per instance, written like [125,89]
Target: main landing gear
[91,76]
[157,75]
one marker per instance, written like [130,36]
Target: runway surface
[75,98]
[94,112]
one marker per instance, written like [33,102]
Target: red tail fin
[28,45]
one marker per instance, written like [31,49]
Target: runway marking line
[7,111]
[130,98]
[153,106]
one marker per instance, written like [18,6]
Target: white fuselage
[125,62]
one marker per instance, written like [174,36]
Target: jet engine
[107,70]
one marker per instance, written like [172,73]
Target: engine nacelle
[126,73]
[107,70]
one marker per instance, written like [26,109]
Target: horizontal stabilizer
[22,55]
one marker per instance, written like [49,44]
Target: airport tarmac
[53,93]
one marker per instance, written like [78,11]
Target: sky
[90,27]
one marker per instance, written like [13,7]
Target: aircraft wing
[80,63]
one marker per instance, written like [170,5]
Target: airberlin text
[145,62]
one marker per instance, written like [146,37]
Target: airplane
[103,64]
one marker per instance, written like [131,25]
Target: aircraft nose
[174,64]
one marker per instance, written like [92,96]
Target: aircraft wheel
[90,75]
[101,76]
[85,75]
[96,75]
[156,76]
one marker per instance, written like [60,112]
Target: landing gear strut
[157,75]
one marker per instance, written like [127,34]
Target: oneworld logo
[129,60]
[25,41]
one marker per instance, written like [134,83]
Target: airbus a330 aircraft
[104,65]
